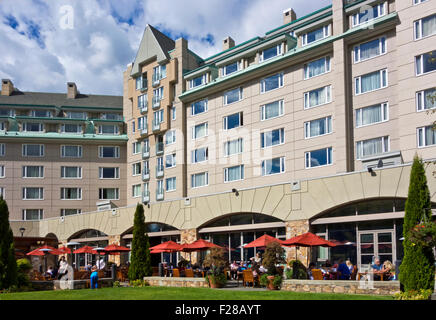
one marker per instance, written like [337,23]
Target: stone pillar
[115,239]
[189,236]
[296,228]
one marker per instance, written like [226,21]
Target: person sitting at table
[377,268]
[256,273]
[349,265]
[389,269]
[234,270]
[309,270]
[50,272]
[242,266]
[343,271]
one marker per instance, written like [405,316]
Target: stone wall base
[69,285]
[177,282]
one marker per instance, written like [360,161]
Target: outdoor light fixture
[235,192]
[370,170]
[22,229]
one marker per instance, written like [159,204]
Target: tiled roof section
[60,99]
[166,43]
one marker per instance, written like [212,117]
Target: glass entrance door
[376,244]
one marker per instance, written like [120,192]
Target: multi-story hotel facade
[310,127]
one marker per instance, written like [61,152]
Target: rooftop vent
[289,15]
[7,87]
[228,43]
[71,90]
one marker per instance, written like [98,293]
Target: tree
[417,268]
[8,265]
[140,265]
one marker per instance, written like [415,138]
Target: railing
[159,194]
[156,125]
[159,148]
[144,130]
[146,175]
[159,171]
[145,152]
[156,102]
[146,196]
[156,78]
[143,108]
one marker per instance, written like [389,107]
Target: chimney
[228,43]
[289,15]
[7,87]
[71,90]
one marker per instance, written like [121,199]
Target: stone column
[189,236]
[296,228]
[115,239]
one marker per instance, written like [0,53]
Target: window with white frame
[33,214]
[7,112]
[199,131]
[271,53]
[231,68]
[71,193]
[272,138]
[158,116]
[145,167]
[158,93]
[271,83]
[111,129]
[32,193]
[142,123]
[317,67]
[199,107]
[33,127]
[111,116]
[372,114]
[371,81]
[198,81]
[3,149]
[109,173]
[234,173]
[2,171]
[142,101]
[426,136]
[136,190]
[33,150]
[316,35]
[159,164]
[160,187]
[369,14]
[159,72]
[318,158]
[419,1]
[170,160]
[170,137]
[426,62]
[370,49]
[233,147]
[71,172]
[372,147]
[136,147]
[273,166]
[318,97]
[318,127]
[40,113]
[232,96]
[109,193]
[76,115]
[272,110]
[173,113]
[199,155]
[139,82]
[170,184]
[33,172]
[133,126]
[136,169]
[71,128]
[426,99]
[233,121]
[108,152]
[425,27]
[70,212]
[199,180]
[71,151]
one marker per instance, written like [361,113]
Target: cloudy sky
[46,43]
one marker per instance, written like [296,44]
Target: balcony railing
[146,196]
[145,152]
[156,125]
[144,131]
[156,78]
[146,175]
[156,102]
[159,171]
[143,108]
[159,194]
[159,148]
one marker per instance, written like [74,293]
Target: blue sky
[39,53]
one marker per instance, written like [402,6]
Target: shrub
[139,283]
[23,268]
[116,284]
[219,279]
[272,257]
[414,295]
[8,265]
[297,270]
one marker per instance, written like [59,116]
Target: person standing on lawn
[94,278]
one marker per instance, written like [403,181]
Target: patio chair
[176,273]
[189,273]
[317,274]
[248,277]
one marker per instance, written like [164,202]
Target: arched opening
[92,238]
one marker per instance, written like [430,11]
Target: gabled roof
[153,44]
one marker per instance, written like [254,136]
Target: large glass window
[318,127]
[317,67]
[231,68]
[372,147]
[40,113]
[108,152]
[233,121]
[33,172]
[232,96]
[425,27]
[71,128]
[273,166]
[371,115]
[199,155]
[426,62]
[109,194]
[198,81]
[316,35]
[171,184]
[71,151]
[170,160]
[318,158]
[33,127]
[368,50]
[272,138]
[199,131]
[33,214]
[369,14]
[234,173]
[199,180]
[198,107]
[136,169]
[233,147]
[71,172]
[271,53]
[272,110]
[371,81]
[142,102]
[30,193]
[77,115]
[71,193]
[271,83]
[426,136]
[33,150]
[317,97]
[426,99]
[136,191]
[109,173]
[170,137]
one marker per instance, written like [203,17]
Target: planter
[270,285]
[215,285]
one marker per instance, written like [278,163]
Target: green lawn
[162,293]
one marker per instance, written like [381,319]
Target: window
[141,82]
[272,110]
[109,194]
[2,171]
[232,96]
[136,190]
[7,113]
[233,147]
[159,72]
[146,167]
[71,151]
[369,14]
[199,155]
[170,161]
[419,1]
[270,53]
[425,27]
[136,147]
[171,184]
[272,138]
[198,107]
[368,50]
[233,121]
[173,113]
[271,83]
[136,169]
[71,128]
[426,136]
[109,173]
[315,35]
[2,192]
[319,127]
[273,166]
[231,68]
[142,102]
[198,81]
[70,212]
[40,113]
[371,115]
[159,164]
[318,158]
[71,172]
[76,115]
[372,147]
[199,180]
[108,152]
[426,62]
[371,81]
[33,150]
[160,189]
[234,173]
[71,193]
[33,172]
[158,116]
[33,214]
[316,68]
[199,131]
[3,149]
[158,94]
[142,123]
[2,126]
[108,129]
[426,99]
[111,116]
[317,97]
[146,146]
[33,127]
[170,137]
[33,193]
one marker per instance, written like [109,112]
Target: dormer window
[316,35]
[271,53]
[7,113]
[159,73]
[111,116]
[40,114]
[231,68]
[198,81]
[369,14]
[76,115]
[141,82]
[33,127]
[71,128]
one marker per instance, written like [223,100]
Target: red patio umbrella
[43,250]
[65,250]
[262,242]
[198,245]
[169,246]
[115,248]
[85,249]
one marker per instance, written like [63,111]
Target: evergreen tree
[140,265]
[417,268]
[8,265]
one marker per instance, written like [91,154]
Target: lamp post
[72,244]
[22,230]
